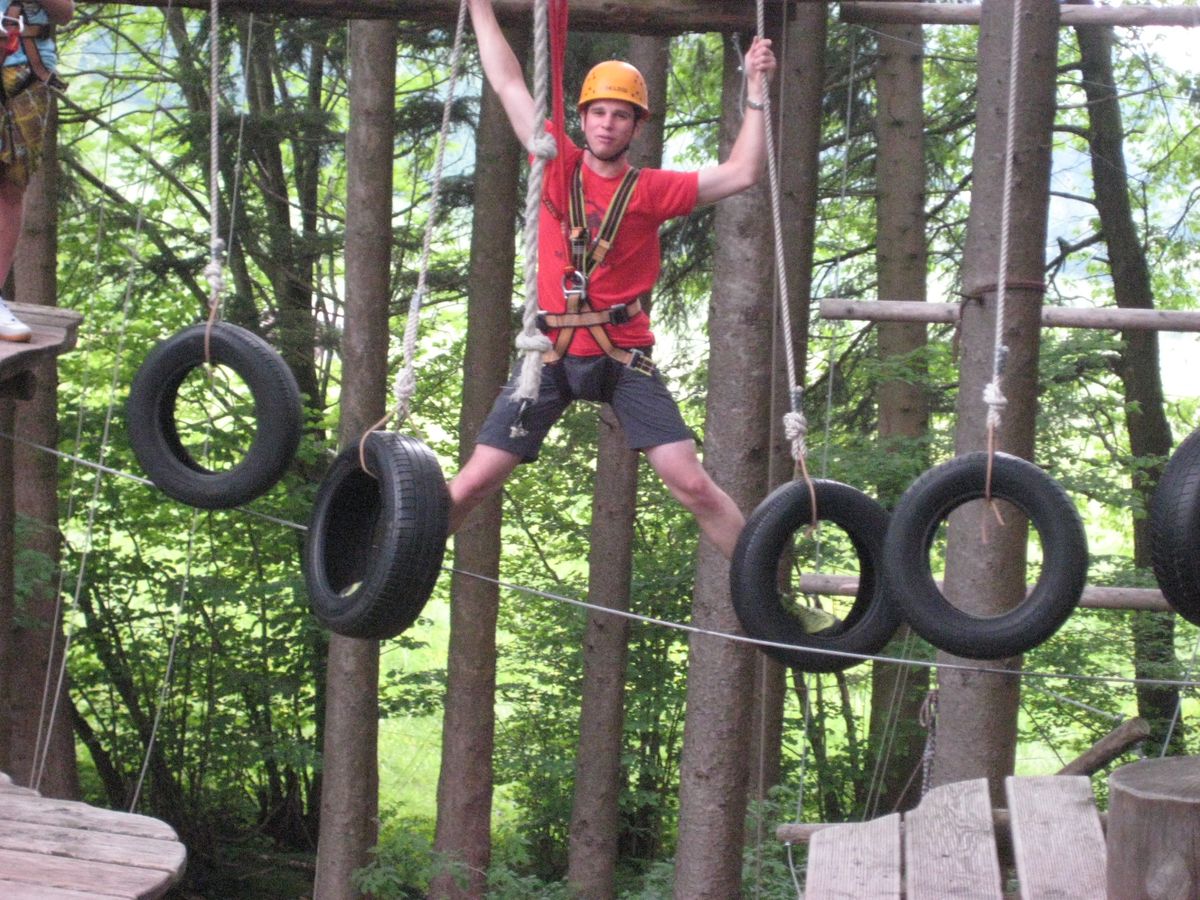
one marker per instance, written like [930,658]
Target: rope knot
[995,401]
[532,343]
[795,429]
[543,146]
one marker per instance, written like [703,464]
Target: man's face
[609,126]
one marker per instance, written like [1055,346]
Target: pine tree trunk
[37,651]
[1145,416]
[595,812]
[350,782]
[714,773]
[977,714]
[469,723]
[897,692]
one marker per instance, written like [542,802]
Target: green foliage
[215,599]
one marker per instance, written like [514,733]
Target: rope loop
[795,428]
[995,400]
[533,343]
[543,146]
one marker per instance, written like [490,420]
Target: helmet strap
[607,159]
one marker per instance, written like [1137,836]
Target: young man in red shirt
[613,105]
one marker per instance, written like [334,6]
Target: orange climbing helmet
[615,80]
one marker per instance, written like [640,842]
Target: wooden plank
[1109,318]
[1094,597]
[96,846]
[628,16]
[101,879]
[882,12]
[1057,839]
[855,861]
[950,847]
[72,814]
[15,890]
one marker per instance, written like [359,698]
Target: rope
[531,342]
[405,385]
[928,720]
[993,395]
[214,272]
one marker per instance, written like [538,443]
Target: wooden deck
[54,332]
[947,847]
[64,850]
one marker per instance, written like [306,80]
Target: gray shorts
[643,405]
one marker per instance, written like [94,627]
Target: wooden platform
[947,847]
[54,332]
[64,850]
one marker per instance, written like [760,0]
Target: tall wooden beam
[882,12]
[628,16]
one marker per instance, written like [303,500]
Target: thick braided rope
[993,396]
[531,342]
[406,380]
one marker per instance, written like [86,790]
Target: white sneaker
[11,328]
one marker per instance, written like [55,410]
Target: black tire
[915,521]
[1175,529]
[375,542]
[150,417]
[754,574]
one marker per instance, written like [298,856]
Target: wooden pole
[882,12]
[1052,316]
[1154,829]
[661,17]
[1093,597]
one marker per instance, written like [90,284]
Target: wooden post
[7,521]
[1154,829]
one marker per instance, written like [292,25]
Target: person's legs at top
[11,206]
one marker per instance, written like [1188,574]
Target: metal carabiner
[574,284]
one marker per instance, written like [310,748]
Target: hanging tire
[154,435]
[375,541]
[1175,529]
[754,577]
[915,521]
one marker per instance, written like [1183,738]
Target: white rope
[215,270]
[993,396]
[406,379]
[531,342]
[795,425]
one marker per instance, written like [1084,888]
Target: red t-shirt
[632,264]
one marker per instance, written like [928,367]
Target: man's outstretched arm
[503,71]
[749,153]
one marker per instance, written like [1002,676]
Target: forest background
[197,675]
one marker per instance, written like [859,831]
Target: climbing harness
[22,35]
[586,256]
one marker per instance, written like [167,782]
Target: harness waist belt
[612,315]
